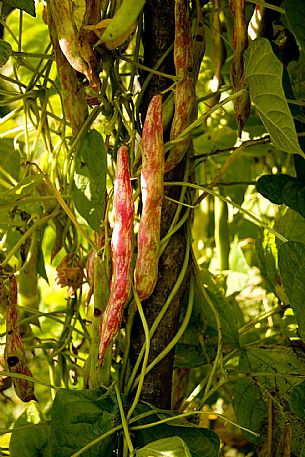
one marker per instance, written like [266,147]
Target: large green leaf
[292,270]
[175,447]
[274,367]
[263,73]
[25,5]
[295,15]
[30,434]
[89,189]
[250,408]
[123,19]
[200,441]
[77,418]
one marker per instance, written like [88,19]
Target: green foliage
[292,267]
[79,417]
[25,5]
[159,448]
[5,52]
[123,19]
[295,16]
[89,189]
[263,73]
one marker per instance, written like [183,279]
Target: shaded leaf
[296,401]
[25,5]
[295,15]
[123,19]
[5,52]
[250,408]
[89,188]
[274,367]
[78,417]
[271,187]
[263,73]
[175,447]
[292,270]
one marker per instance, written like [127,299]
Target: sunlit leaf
[89,189]
[263,73]
[175,447]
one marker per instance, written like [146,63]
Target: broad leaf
[296,401]
[292,270]
[271,187]
[5,52]
[250,407]
[200,441]
[89,189]
[25,5]
[77,418]
[295,15]
[123,19]
[175,447]
[30,434]
[263,73]
[274,367]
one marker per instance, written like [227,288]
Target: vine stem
[186,132]
[180,332]
[255,219]
[124,420]
[65,207]
[132,382]
[146,354]
[22,239]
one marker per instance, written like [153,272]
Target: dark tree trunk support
[158,36]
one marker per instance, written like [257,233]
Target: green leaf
[5,52]
[25,5]
[274,367]
[30,435]
[77,418]
[271,187]
[89,188]
[123,19]
[250,408]
[292,270]
[200,441]
[175,447]
[291,225]
[296,401]
[263,74]
[295,16]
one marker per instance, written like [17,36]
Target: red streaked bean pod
[185,95]
[121,251]
[152,187]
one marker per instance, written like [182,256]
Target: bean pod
[152,186]
[185,96]
[121,252]
[14,351]
[240,43]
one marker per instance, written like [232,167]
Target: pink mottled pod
[121,252]
[185,95]
[152,186]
